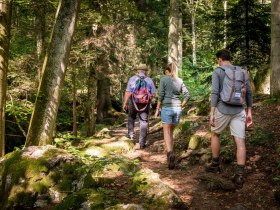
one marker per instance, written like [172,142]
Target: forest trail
[258,190]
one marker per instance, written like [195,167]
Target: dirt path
[257,192]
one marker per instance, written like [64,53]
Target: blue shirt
[132,81]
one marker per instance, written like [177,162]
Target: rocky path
[257,192]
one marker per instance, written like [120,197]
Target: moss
[22,200]
[118,146]
[74,201]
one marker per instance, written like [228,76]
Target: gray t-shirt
[217,85]
[170,91]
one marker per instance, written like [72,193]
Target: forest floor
[261,167]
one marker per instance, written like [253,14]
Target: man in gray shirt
[223,115]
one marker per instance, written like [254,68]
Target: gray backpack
[234,85]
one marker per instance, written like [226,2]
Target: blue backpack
[140,94]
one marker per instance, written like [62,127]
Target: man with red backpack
[139,92]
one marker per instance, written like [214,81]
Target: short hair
[224,54]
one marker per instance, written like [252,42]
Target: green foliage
[249,32]
[262,137]
[198,78]
[272,101]
[20,110]
[184,129]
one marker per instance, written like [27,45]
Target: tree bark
[103,98]
[193,34]
[5,25]
[175,34]
[43,119]
[40,35]
[225,23]
[275,49]
[91,102]
[74,95]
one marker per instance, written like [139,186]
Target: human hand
[212,120]
[249,121]
[156,114]
[125,107]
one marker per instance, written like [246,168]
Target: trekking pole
[149,113]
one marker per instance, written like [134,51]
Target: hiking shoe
[130,137]
[238,180]
[143,146]
[171,160]
[213,167]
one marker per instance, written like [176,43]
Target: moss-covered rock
[39,175]
[157,195]
[84,199]
[118,146]
[126,207]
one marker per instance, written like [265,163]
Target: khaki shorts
[236,123]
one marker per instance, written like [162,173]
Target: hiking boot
[143,146]
[238,178]
[171,160]
[213,166]
[130,137]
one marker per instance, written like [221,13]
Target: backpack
[140,93]
[234,86]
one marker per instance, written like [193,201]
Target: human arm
[249,119]
[215,92]
[160,98]
[215,88]
[157,109]
[212,116]
[127,95]
[186,95]
[249,103]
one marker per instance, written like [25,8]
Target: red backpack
[140,94]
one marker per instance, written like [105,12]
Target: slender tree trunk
[40,36]
[91,102]
[74,95]
[275,49]
[175,34]
[43,119]
[5,25]
[103,98]
[225,23]
[193,34]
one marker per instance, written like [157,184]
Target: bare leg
[168,136]
[240,151]
[215,145]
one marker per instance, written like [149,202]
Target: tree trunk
[40,36]
[275,49]
[103,98]
[74,95]
[175,34]
[193,35]
[91,103]
[43,119]
[5,25]
[225,23]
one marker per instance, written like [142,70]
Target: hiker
[171,88]
[229,112]
[139,104]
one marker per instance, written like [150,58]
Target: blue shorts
[171,115]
